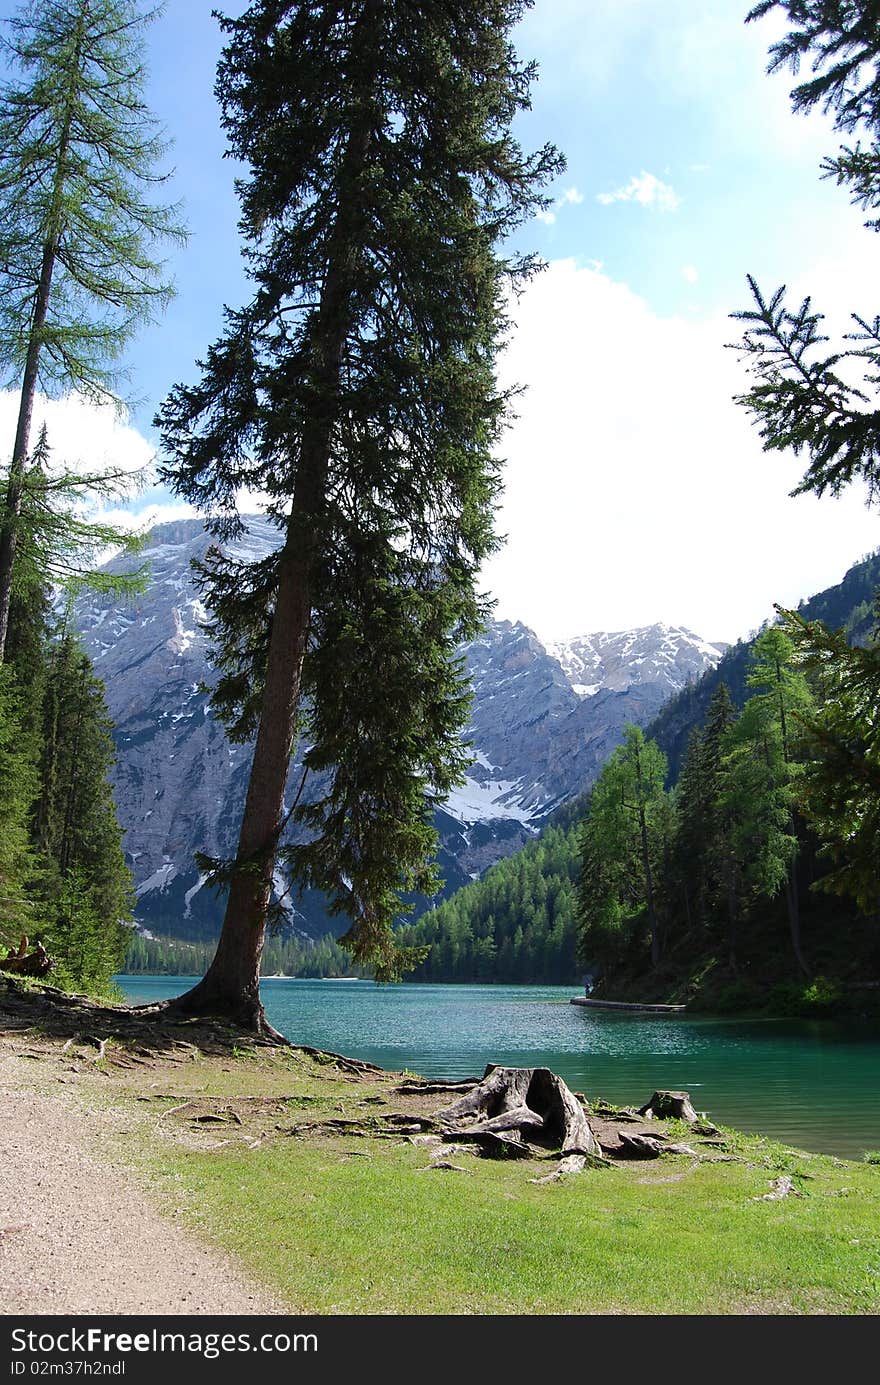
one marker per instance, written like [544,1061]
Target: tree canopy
[80,229]
[357,391]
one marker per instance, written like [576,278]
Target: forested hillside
[520,922]
[63,881]
[846,606]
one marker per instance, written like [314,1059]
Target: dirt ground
[77,1233]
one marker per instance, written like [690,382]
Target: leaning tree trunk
[231,986]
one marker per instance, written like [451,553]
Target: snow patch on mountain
[670,655]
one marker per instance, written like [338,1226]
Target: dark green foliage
[714,917]
[516,924]
[627,837]
[848,605]
[85,947]
[357,391]
[18,787]
[281,956]
[842,41]
[806,397]
[801,399]
[702,871]
[76,826]
[840,785]
[63,877]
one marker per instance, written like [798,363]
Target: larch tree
[79,227]
[357,393]
[624,838]
[762,766]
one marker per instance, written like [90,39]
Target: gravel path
[78,1236]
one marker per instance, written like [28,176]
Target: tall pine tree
[839,789]
[625,838]
[86,882]
[356,391]
[78,227]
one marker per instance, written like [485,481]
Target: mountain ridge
[537,740]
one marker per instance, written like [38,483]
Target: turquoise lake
[810,1083]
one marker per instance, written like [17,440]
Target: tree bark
[670,1106]
[514,1105]
[794,917]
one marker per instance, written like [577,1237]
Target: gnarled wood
[23,963]
[522,1106]
[670,1106]
[639,1147]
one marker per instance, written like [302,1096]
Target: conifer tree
[78,228]
[625,837]
[762,769]
[86,881]
[839,788]
[807,396]
[18,789]
[57,544]
[357,391]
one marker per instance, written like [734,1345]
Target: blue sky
[636,491]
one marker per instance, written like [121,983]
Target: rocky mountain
[668,655]
[544,720]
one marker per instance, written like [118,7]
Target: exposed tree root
[125,1035]
[523,1111]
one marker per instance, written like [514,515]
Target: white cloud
[571,197]
[646,189]
[636,490]
[83,437]
[147,516]
[690,273]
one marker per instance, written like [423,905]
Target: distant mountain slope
[539,733]
[518,922]
[847,605]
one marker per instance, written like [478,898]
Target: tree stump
[670,1106]
[513,1108]
[24,963]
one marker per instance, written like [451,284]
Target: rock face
[544,721]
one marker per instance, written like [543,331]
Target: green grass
[370,1232]
[355,1225]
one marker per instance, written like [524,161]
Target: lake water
[810,1083]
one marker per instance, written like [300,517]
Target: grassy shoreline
[341,1222]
